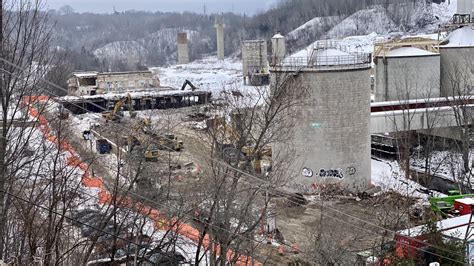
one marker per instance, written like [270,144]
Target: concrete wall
[331,137]
[457,71]
[183,52]
[254,57]
[118,82]
[403,78]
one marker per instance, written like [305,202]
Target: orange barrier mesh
[104,197]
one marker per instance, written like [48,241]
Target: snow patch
[408,51]
[461,37]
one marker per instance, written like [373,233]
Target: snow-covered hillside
[130,51]
[162,42]
[369,24]
[364,22]
[208,74]
[360,31]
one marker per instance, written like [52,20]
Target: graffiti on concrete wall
[307,172]
[331,173]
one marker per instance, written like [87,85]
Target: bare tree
[24,42]
[240,172]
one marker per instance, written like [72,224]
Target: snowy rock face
[364,22]
[142,50]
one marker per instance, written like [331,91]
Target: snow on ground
[364,21]
[376,27]
[311,25]
[209,74]
[408,51]
[445,11]
[445,164]
[461,37]
[389,176]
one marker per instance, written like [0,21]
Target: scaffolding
[382,49]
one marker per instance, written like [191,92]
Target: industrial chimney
[464,7]
[183,53]
[219,25]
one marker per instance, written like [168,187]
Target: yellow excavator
[116,115]
[170,141]
[151,152]
[230,135]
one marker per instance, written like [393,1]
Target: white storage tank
[330,135]
[406,72]
[457,63]
[278,48]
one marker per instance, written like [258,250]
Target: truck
[103,146]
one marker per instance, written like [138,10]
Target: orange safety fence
[160,221]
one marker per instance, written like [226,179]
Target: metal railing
[322,62]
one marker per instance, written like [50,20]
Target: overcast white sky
[107,6]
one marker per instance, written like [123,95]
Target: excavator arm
[186,83]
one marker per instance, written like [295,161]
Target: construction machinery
[188,83]
[150,151]
[63,113]
[103,146]
[445,205]
[116,114]
[229,139]
[170,142]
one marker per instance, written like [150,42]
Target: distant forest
[79,35]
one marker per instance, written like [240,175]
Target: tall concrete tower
[464,7]
[183,52]
[219,25]
[278,48]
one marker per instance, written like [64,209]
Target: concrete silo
[254,60]
[183,52]
[407,69]
[457,63]
[278,48]
[330,135]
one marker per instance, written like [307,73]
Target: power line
[273,192]
[80,222]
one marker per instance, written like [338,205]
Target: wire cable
[273,192]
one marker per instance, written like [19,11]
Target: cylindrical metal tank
[278,48]
[407,73]
[457,63]
[330,136]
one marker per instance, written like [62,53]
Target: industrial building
[91,83]
[407,69]
[331,134]
[457,62]
[254,61]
